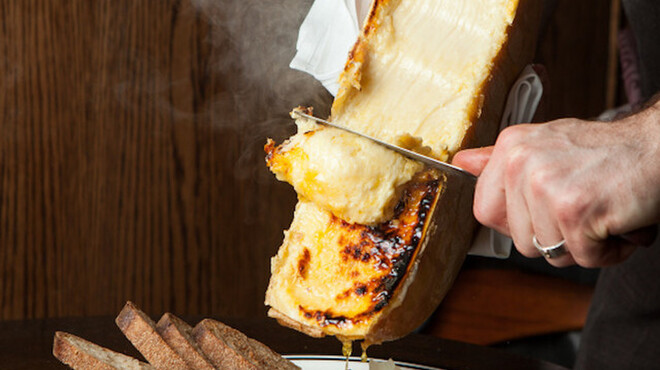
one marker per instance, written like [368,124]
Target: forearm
[646,126]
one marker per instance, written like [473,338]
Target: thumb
[473,160]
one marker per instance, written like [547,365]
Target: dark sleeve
[623,326]
[644,19]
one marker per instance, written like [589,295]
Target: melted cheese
[318,275]
[355,179]
[423,71]
[341,275]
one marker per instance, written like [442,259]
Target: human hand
[573,180]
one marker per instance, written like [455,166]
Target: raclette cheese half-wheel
[376,239]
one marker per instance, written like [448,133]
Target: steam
[252,43]
[242,87]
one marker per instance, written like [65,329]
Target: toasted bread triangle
[227,347]
[141,331]
[178,334]
[79,353]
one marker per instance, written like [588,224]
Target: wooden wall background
[131,137]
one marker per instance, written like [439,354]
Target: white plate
[317,362]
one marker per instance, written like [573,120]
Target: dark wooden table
[28,344]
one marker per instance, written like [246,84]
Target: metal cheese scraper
[432,162]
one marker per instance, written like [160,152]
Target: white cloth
[521,104]
[324,40]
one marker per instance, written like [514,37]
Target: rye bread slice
[177,333]
[141,331]
[269,358]
[222,354]
[227,347]
[79,353]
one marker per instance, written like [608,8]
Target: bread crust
[171,344]
[228,348]
[217,350]
[268,358]
[178,335]
[68,348]
[141,331]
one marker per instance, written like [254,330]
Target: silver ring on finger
[551,251]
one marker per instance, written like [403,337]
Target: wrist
[646,126]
